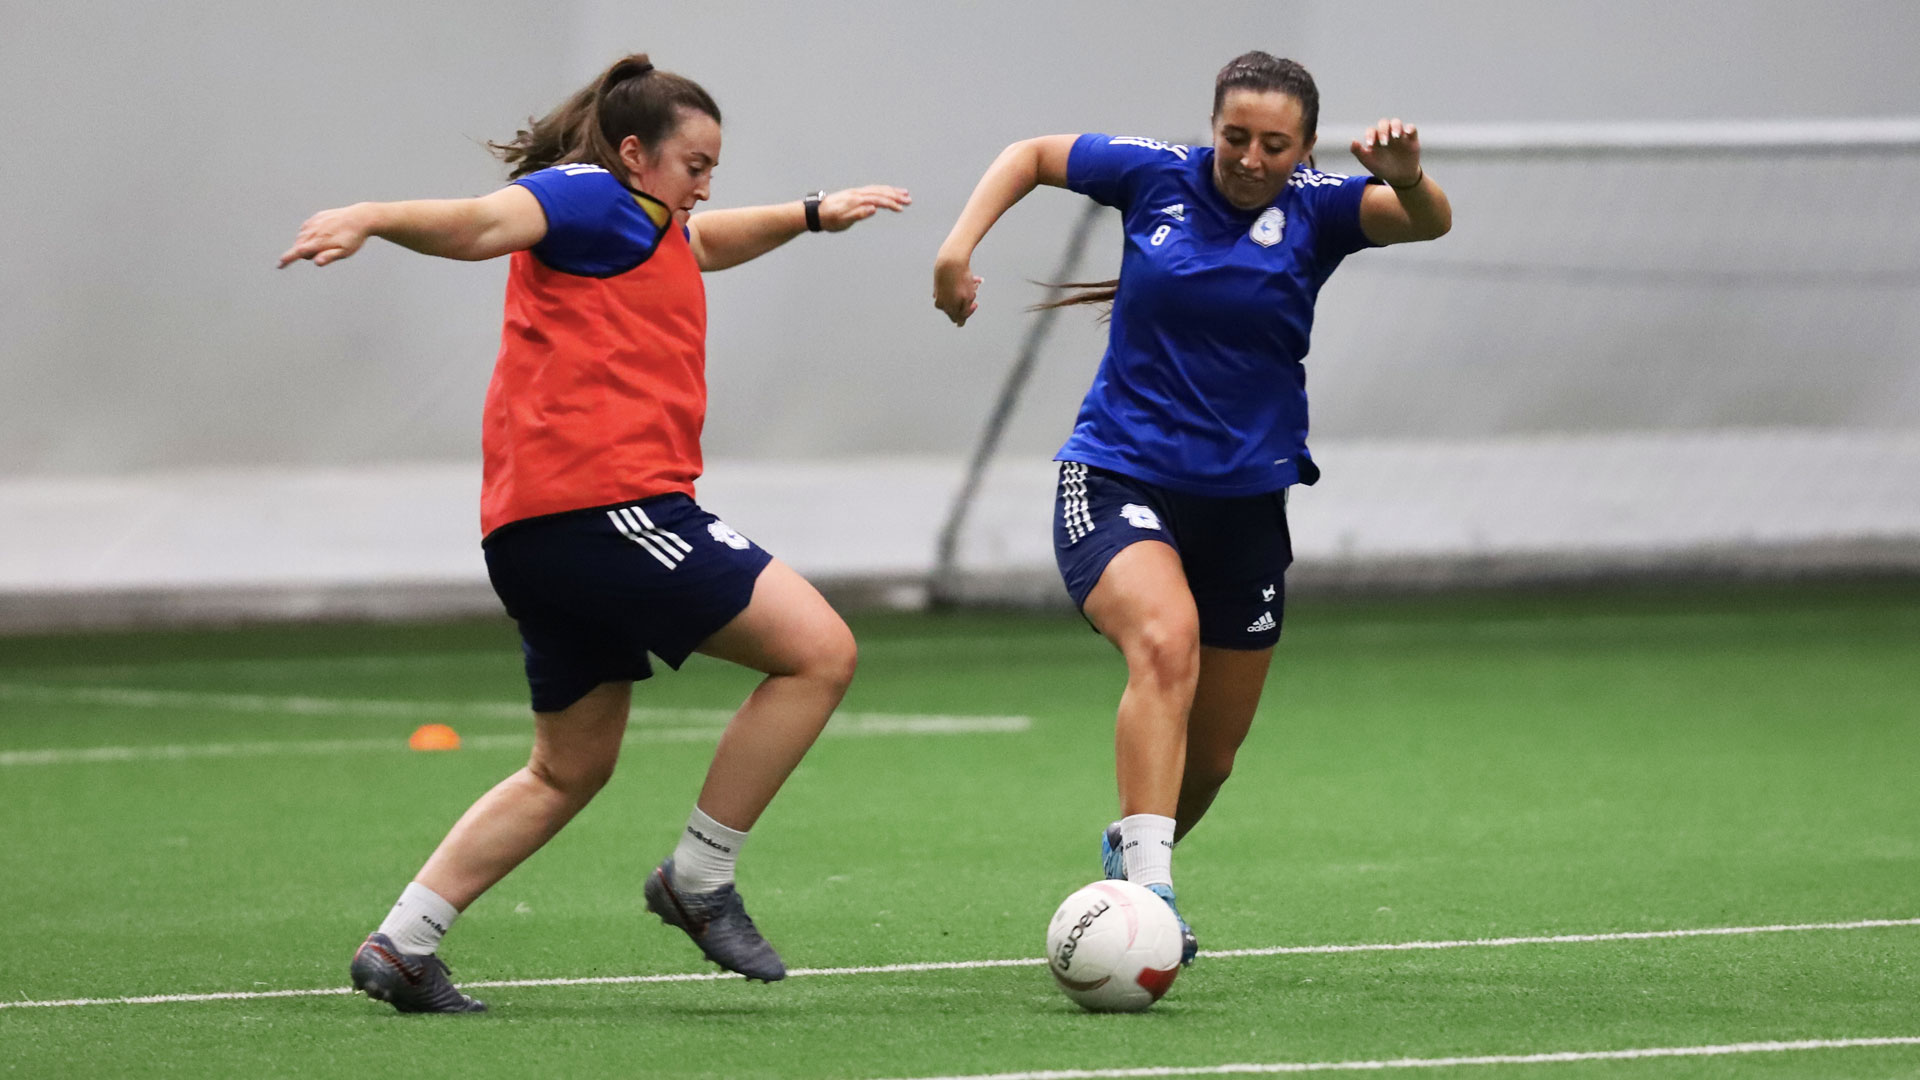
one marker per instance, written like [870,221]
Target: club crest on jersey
[724,534]
[1268,227]
[1140,517]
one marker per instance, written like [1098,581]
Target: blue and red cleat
[1114,861]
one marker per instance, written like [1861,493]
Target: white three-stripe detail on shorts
[658,542]
[1080,520]
[633,533]
[675,547]
[1073,500]
[655,530]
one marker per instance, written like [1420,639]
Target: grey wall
[1543,60]
[158,157]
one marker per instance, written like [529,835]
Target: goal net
[1664,348]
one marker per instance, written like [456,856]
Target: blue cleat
[1189,945]
[1112,859]
[717,921]
[411,984]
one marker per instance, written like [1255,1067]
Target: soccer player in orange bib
[592,537]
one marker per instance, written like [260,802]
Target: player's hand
[1390,150]
[840,209]
[955,287]
[329,236]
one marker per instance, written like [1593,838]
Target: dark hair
[630,98]
[1258,71]
[1266,73]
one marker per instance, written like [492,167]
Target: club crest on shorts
[1268,227]
[720,531]
[1140,517]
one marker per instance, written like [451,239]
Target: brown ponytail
[1095,292]
[630,98]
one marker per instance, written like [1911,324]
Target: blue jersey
[1202,389]
[596,227]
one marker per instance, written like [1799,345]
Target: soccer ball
[1114,947]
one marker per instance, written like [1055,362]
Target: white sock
[419,919]
[704,860]
[1147,842]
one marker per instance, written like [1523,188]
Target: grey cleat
[717,921]
[411,984]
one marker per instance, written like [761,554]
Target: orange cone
[434,737]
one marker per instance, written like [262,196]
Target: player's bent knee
[834,658]
[1167,651]
[578,781]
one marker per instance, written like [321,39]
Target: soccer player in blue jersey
[1170,525]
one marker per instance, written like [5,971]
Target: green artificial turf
[1423,770]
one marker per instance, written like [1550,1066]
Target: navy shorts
[1235,550]
[595,591]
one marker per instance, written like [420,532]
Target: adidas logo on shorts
[1264,622]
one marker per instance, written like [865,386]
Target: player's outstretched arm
[723,238]
[1411,206]
[1018,170]
[470,229]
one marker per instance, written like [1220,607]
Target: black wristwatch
[812,203]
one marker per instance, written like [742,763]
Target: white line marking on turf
[849,726]
[1563,939]
[1553,1058]
[968,965]
[183,752]
[485,984]
[134,698]
[869,723]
